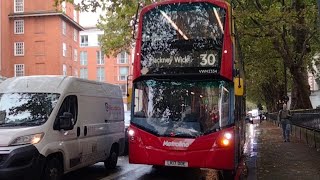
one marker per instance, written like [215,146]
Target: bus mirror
[129,95]
[238,86]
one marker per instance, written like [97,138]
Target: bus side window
[70,104]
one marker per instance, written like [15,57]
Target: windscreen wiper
[32,122]
[8,124]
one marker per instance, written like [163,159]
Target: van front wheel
[53,169]
[112,160]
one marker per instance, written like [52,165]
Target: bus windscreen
[182,38]
[179,108]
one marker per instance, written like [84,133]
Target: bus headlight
[224,140]
[131,132]
[29,139]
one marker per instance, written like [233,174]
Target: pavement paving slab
[277,159]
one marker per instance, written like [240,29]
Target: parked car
[249,118]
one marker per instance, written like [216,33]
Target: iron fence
[309,119]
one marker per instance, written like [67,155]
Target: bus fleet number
[207,59]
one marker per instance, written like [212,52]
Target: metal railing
[309,119]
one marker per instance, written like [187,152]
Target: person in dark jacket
[284,118]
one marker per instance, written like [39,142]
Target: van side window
[70,104]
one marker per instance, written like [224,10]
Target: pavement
[272,158]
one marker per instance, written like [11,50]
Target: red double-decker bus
[184,108]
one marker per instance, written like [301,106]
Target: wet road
[126,171]
[251,149]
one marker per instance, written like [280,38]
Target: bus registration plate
[176,163]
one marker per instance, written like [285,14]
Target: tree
[290,31]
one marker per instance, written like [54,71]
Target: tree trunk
[300,89]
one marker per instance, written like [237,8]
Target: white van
[51,125]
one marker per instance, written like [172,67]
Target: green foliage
[272,35]
[116,26]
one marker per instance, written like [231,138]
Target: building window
[100,36]
[75,35]
[18,26]
[19,49]
[75,54]
[64,69]
[84,73]
[64,6]
[123,88]
[123,58]
[84,40]
[100,58]
[123,73]
[64,49]
[64,28]
[83,58]
[75,15]
[18,70]
[100,74]
[18,6]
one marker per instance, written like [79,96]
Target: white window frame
[102,74]
[19,49]
[100,58]
[123,77]
[18,68]
[84,44]
[19,26]
[64,70]
[64,28]
[18,6]
[98,38]
[84,72]
[64,49]
[75,54]
[83,58]
[126,58]
[75,35]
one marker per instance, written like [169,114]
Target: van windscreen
[26,109]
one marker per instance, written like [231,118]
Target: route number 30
[207,59]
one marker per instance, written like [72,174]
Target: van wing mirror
[66,121]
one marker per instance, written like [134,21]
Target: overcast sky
[89,19]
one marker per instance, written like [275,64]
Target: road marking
[128,170]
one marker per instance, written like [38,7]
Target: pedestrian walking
[284,118]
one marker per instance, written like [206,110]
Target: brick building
[38,38]
[94,65]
